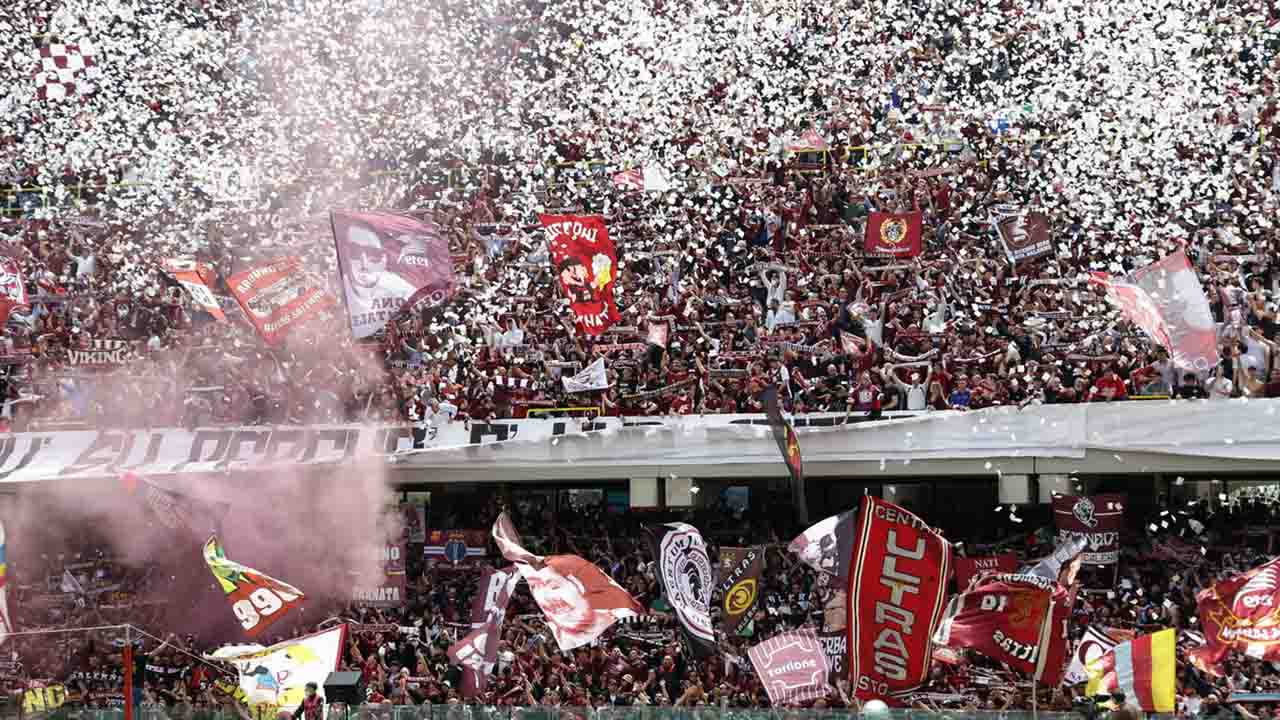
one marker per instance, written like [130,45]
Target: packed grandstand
[225,217]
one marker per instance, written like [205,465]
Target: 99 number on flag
[260,603]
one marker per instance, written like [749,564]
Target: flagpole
[1043,649]
[127,658]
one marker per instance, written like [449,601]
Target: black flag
[789,446]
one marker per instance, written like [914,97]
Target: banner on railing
[456,546]
[100,352]
[388,590]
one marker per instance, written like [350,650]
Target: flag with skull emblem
[586,262]
[1096,519]
[684,572]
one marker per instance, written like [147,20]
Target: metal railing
[487,712]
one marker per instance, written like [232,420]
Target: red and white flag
[389,263]
[897,594]
[1019,620]
[60,69]
[195,278]
[278,295]
[13,289]
[648,178]
[578,600]
[1242,613]
[477,653]
[792,667]
[1166,300]
[586,262]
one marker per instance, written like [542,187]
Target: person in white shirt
[916,391]
[775,284]
[1221,387]
[779,313]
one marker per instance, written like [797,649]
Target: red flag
[968,568]
[477,653]
[1097,520]
[13,290]
[195,278]
[894,234]
[792,667]
[586,262]
[897,588]
[1242,613]
[1166,300]
[1020,620]
[389,264]
[276,296]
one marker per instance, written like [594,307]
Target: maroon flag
[1166,300]
[792,667]
[1020,620]
[1098,520]
[477,653]
[13,290]
[389,263]
[897,591]
[1242,613]
[968,568]
[586,262]
[1025,235]
[894,234]
[277,296]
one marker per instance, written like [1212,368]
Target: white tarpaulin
[1230,429]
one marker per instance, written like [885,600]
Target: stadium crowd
[746,269]
[642,664]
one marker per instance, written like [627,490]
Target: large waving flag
[1019,620]
[274,679]
[6,625]
[685,576]
[586,261]
[896,596]
[1241,613]
[257,599]
[1143,668]
[1167,301]
[390,264]
[578,600]
[477,653]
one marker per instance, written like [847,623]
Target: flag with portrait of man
[389,264]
